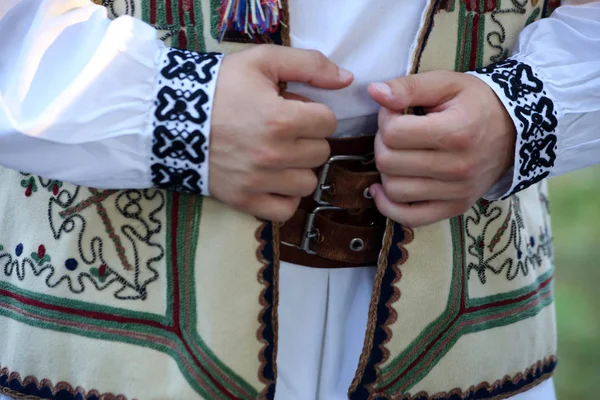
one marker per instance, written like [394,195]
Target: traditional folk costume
[156,292]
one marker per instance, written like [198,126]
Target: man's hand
[264,146]
[438,165]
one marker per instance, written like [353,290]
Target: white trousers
[322,324]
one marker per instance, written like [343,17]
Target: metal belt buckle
[323,186]
[310,233]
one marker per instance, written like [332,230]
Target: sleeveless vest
[147,294]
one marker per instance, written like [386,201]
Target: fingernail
[345,74]
[383,88]
[373,191]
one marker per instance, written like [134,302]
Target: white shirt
[77,94]
[66,68]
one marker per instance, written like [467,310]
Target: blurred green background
[575,208]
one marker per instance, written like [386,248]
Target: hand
[264,146]
[438,165]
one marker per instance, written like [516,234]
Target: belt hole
[367,194]
[357,244]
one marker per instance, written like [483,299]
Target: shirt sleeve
[101,103]
[551,88]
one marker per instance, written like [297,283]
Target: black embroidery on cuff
[179,145]
[187,65]
[181,105]
[181,120]
[535,118]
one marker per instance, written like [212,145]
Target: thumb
[307,66]
[428,89]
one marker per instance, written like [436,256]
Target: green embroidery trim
[466,327]
[194,33]
[199,26]
[479,314]
[467,43]
[215,18]
[461,36]
[144,329]
[409,355]
[533,17]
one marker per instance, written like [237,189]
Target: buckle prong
[323,186]
[310,232]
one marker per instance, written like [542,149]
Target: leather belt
[339,226]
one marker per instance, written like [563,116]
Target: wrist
[522,93]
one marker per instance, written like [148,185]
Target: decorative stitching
[380,308]
[267,332]
[382,313]
[182,120]
[500,389]
[518,8]
[535,116]
[68,214]
[127,5]
[12,385]
[531,252]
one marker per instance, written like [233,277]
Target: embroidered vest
[146,294]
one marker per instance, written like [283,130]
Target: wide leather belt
[339,226]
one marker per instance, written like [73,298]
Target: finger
[437,130]
[308,153]
[289,182]
[272,207]
[428,89]
[413,190]
[416,214]
[412,163]
[436,164]
[296,97]
[307,66]
[309,120]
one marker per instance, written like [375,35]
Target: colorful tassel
[250,17]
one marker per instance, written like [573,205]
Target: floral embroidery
[69,214]
[30,186]
[494,258]
[31,183]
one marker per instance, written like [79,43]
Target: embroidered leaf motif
[41,257]
[483,206]
[101,273]
[534,15]
[54,186]
[480,245]
[30,185]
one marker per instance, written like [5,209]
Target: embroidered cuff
[182,120]
[533,112]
